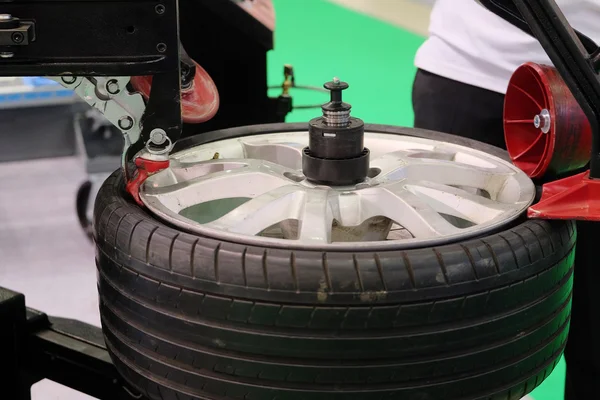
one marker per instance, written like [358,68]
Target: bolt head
[126,123]
[112,87]
[161,47]
[158,136]
[537,121]
[68,79]
[333,85]
[17,37]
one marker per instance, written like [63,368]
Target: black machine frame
[69,352]
[142,37]
[98,38]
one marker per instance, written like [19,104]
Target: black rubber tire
[190,317]
[82,200]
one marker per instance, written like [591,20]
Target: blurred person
[463,70]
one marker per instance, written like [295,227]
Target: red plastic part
[199,103]
[145,168]
[566,146]
[576,197]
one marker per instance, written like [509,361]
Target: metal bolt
[126,123]
[68,79]
[18,37]
[112,87]
[158,136]
[336,80]
[542,121]
[161,47]
[160,9]
[6,54]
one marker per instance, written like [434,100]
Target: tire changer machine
[552,119]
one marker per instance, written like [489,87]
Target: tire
[190,317]
[82,200]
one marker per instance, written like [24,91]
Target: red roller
[545,130]
[199,102]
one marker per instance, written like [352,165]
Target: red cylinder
[545,130]
[199,102]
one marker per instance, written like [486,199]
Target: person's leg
[449,106]
[583,347]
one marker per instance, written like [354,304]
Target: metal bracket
[110,96]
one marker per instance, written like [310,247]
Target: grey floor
[43,252]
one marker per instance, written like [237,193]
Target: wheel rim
[419,193]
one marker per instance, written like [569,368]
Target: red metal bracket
[576,197]
[145,168]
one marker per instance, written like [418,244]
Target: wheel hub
[336,154]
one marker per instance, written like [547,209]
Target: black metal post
[13,384]
[34,347]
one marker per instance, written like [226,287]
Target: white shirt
[472,45]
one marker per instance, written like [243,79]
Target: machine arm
[575,56]
[577,59]
[94,47]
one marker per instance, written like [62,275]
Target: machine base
[576,197]
[69,352]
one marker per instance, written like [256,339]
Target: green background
[322,40]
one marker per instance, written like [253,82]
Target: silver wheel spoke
[406,209]
[315,219]
[255,178]
[288,155]
[451,173]
[458,202]
[391,162]
[262,212]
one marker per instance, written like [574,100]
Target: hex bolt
[112,87]
[158,136]
[68,79]
[126,123]
[18,37]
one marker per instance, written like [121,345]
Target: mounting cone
[199,102]
[545,130]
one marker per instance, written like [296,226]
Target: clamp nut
[158,136]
